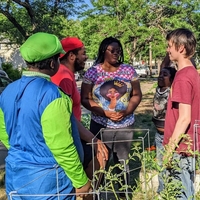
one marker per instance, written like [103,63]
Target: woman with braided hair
[111,91]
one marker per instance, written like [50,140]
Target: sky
[88,2]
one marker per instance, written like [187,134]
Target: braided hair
[102,49]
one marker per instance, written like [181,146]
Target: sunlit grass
[2,189]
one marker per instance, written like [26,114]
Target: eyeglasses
[114,51]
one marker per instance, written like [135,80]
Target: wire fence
[97,192]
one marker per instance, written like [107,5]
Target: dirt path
[148,90]
[147,86]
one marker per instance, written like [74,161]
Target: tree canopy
[20,19]
[140,25]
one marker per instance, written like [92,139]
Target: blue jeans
[183,172]
[159,158]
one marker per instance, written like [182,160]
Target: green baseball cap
[40,46]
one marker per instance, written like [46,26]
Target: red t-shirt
[65,79]
[185,89]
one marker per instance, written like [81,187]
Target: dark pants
[118,142]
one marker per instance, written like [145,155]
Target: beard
[78,66]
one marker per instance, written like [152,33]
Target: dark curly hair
[44,64]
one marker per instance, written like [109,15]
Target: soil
[144,111]
[148,90]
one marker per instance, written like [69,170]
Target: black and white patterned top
[160,106]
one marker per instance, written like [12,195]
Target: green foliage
[155,85]
[138,24]
[149,158]
[20,19]
[172,186]
[172,189]
[13,74]
[85,120]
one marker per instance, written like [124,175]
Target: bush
[13,73]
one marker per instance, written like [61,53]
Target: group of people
[40,115]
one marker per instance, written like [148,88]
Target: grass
[2,189]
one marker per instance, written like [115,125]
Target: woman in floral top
[111,91]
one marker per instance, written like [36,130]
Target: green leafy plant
[13,73]
[85,120]
[172,186]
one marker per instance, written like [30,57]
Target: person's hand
[117,117]
[102,154]
[109,114]
[84,190]
[122,113]
[114,116]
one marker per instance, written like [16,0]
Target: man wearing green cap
[36,125]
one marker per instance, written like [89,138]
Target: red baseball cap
[70,43]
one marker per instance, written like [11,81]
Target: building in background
[10,53]
[88,64]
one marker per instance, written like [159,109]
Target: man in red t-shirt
[182,110]
[71,62]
